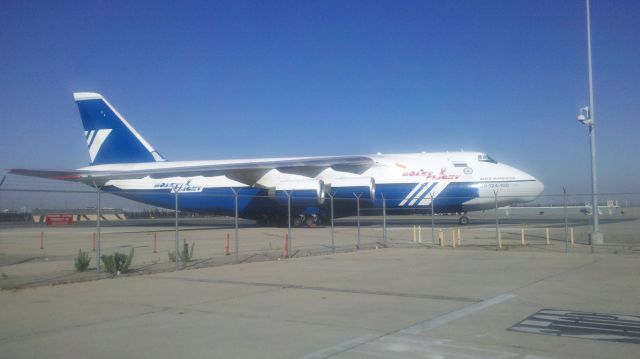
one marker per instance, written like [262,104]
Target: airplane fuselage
[456,182]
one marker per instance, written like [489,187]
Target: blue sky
[234,79]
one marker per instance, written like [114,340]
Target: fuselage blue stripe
[415,194]
[426,193]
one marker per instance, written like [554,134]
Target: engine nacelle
[349,187]
[303,192]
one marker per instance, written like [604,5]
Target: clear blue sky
[234,79]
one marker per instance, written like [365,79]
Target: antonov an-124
[271,190]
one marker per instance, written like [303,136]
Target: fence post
[358,211]
[41,240]
[155,242]
[459,238]
[419,234]
[522,234]
[333,243]
[289,238]
[235,197]
[384,220]
[495,193]
[177,232]
[566,222]
[414,234]
[98,237]
[433,237]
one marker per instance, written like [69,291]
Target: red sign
[59,219]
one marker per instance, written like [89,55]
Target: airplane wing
[247,172]
[49,174]
[118,152]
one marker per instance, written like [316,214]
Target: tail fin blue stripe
[111,139]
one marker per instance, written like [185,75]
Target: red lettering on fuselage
[430,174]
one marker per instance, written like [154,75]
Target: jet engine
[349,187]
[303,192]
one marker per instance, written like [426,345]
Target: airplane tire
[464,220]
[310,221]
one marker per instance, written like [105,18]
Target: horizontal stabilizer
[49,174]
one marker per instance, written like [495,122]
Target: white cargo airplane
[125,164]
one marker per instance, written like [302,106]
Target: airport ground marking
[456,314]
[585,325]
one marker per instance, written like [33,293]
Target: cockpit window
[485,158]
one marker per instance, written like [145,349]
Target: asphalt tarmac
[415,302]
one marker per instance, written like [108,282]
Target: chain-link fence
[42,244]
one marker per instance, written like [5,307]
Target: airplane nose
[538,187]
[531,190]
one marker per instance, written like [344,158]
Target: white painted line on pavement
[451,316]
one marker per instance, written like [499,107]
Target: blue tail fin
[111,139]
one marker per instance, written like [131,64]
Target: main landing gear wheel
[464,220]
[311,220]
[298,220]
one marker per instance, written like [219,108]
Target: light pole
[587,117]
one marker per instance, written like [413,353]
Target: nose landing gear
[464,220]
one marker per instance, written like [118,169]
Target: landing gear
[298,220]
[312,220]
[301,220]
[464,220]
[304,220]
[309,220]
